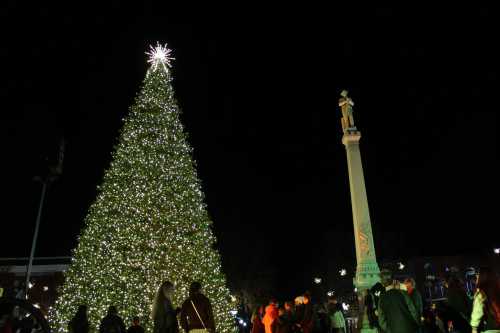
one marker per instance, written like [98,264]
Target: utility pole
[53,174]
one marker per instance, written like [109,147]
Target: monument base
[367,275]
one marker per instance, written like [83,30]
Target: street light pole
[54,173]
[35,235]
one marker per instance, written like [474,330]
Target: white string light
[148,226]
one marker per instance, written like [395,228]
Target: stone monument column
[367,270]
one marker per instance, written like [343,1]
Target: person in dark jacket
[416,298]
[321,322]
[371,303]
[80,322]
[298,313]
[112,323]
[306,322]
[258,315]
[458,305]
[196,313]
[284,322]
[164,315]
[396,312]
[291,315]
[136,326]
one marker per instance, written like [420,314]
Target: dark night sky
[259,97]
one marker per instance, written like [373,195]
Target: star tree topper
[159,55]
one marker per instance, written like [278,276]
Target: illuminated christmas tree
[149,222]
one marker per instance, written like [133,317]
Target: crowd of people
[299,316]
[395,307]
[390,306]
[194,316]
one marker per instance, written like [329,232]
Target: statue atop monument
[346,104]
